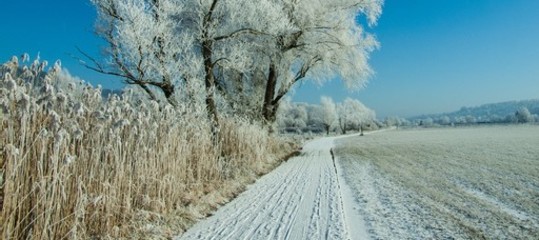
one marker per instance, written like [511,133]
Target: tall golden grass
[75,167]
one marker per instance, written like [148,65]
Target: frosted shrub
[75,165]
[523,115]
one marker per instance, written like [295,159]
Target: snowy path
[304,198]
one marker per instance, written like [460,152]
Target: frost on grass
[447,183]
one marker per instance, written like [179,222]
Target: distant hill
[493,112]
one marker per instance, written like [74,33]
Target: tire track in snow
[301,199]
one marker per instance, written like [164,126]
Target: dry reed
[75,167]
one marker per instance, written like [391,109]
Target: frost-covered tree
[292,116]
[444,120]
[281,120]
[143,47]
[512,118]
[171,44]
[236,50]
[523,115]
[342,117]
[329,113]
[326,40]
[353,114]
[471,119]
[427,122]
[226,33]
[314,117]
[495,118]
[393,121]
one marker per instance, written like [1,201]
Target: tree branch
[209,15]
[239,32]
[300,75]
[220,59]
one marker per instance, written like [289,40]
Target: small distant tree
[427,122]
[352,113]
[342,117]
[298,117]
[365,117]
[314,117]
[393,121]
[329,113]
[292,116]
[281,120]
[523,115]
[445,120]
[471,119]
[494,118]
[511,118]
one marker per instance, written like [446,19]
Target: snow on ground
[303,198]
[452,183]
[446,183]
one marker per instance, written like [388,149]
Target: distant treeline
[526,111]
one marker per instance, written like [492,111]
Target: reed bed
[75,166]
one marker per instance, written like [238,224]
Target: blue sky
[435,55]
[54,29]
[439,55]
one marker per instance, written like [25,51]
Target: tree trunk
[168,89]
[269,109]
[209,78]
[209,81]
[342,125]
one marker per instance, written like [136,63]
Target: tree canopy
[239,56]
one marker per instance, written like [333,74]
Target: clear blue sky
[439,55]
[54,29]
[436,55]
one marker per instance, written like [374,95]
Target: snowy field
[446,183]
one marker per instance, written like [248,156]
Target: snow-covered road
[304,198]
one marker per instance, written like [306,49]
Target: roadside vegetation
[77,166]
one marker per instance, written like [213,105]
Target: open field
[446,183]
